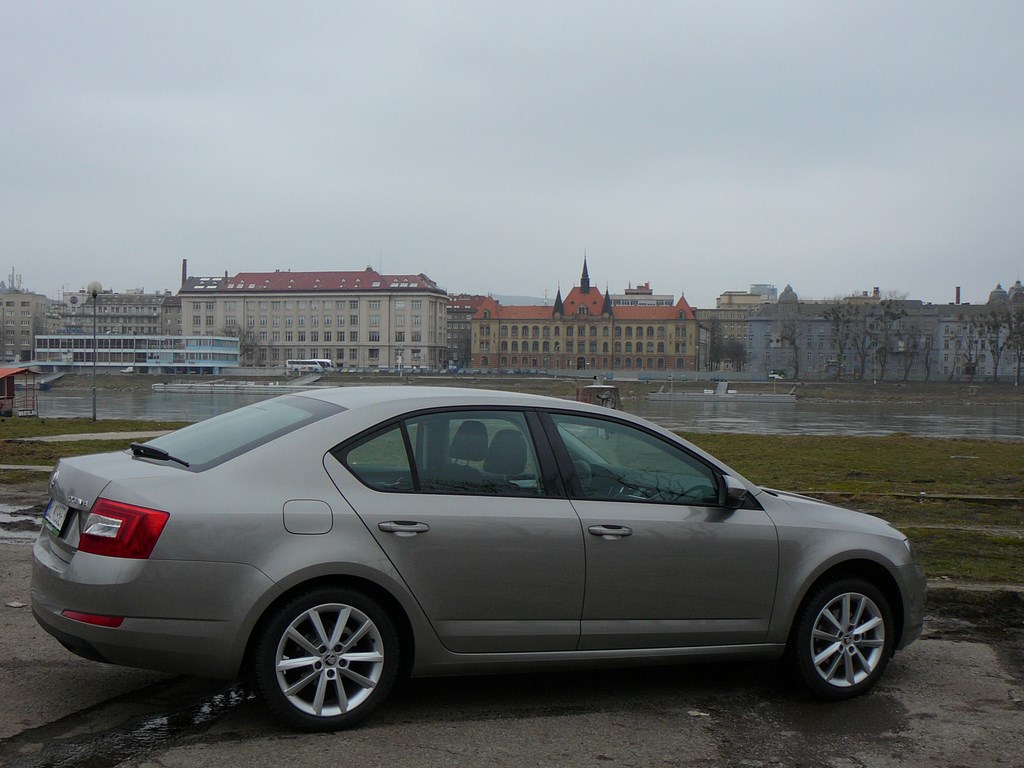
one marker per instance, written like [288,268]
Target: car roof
[407,397]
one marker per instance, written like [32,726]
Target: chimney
[958,295]
[184,272]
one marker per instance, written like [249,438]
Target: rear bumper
[181,617]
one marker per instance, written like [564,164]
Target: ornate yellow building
[584,331]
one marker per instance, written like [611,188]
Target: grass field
[960,501]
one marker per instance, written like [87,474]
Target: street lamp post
[94,289]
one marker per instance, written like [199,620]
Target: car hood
[808,511]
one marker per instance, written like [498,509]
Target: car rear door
[458,501]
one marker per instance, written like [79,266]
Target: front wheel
[326,659]
[842,639]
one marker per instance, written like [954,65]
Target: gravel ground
[953,698]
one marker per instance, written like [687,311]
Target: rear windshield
[214,441]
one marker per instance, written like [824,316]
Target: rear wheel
[326,659]
[842,639]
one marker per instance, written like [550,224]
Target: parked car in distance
[325,543]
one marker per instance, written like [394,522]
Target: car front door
[667,565]
[458,502]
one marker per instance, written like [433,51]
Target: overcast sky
[704,146]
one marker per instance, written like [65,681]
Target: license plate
[55,515]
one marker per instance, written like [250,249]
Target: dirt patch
[991,615]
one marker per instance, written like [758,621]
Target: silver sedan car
[323,544]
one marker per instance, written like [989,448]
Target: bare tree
[969,340]
[1015,338]
[927,345]
[884,328]
[861,337]
[734,351]
[908,346]
[995,329]
[790,334]
[840,319]
[248,345]
[715,353]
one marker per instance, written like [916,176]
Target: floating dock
[244,387]
[722,394]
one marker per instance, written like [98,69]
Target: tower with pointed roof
[585,277]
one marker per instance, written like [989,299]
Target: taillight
[95,619]
[120,530]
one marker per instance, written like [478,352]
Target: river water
[1004,422]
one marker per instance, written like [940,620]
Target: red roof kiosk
[13,402]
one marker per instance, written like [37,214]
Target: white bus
[310,365]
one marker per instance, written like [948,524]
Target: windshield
[214,441]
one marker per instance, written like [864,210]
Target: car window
[616,461]
[214,441]
[381,461]
[486,453]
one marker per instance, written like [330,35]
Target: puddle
[18,524]
[126,728]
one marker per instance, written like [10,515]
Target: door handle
[403,527]
[610,531]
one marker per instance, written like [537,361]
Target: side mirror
[733,492]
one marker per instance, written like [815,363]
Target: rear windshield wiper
[150,452]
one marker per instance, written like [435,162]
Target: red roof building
[584,331]
[357,319]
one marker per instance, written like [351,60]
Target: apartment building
[461,311]
[132,312]
[877,338]
[24,317]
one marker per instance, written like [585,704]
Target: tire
[326,659]
[842,639]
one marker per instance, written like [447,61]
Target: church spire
[585,277]
[559,308]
